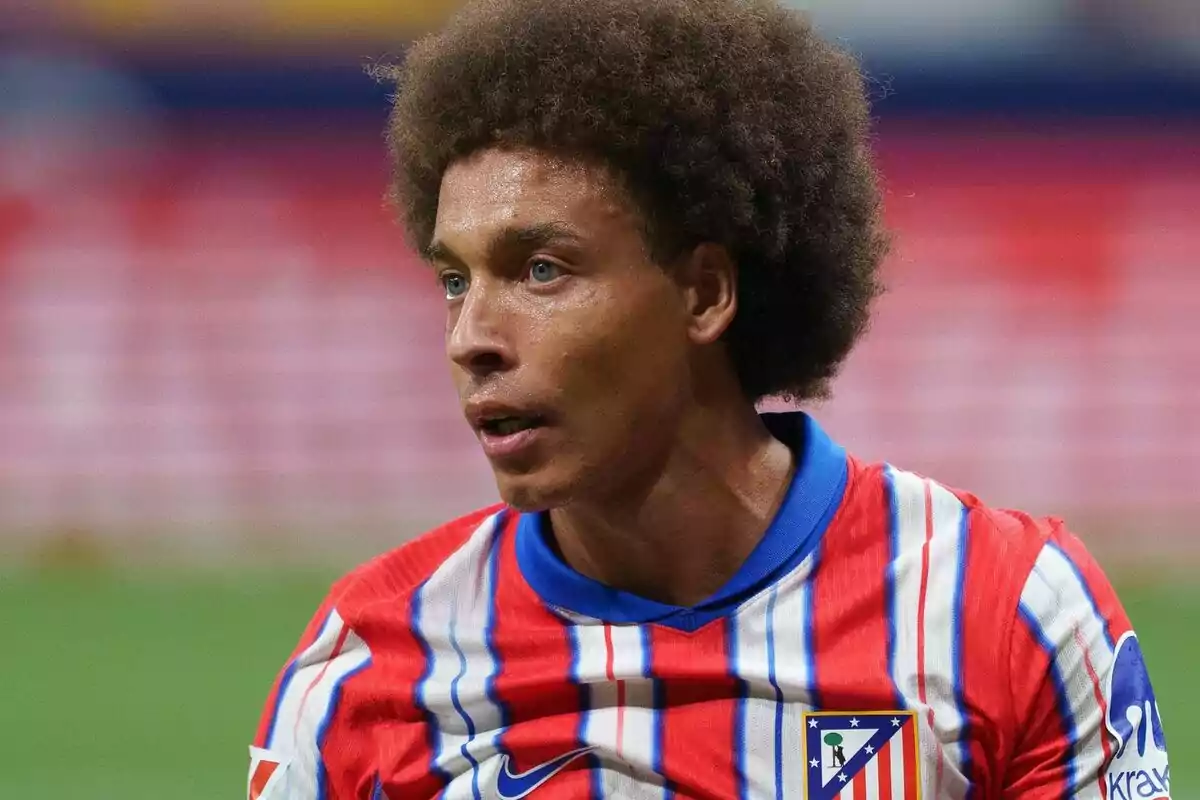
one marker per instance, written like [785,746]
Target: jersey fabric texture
[887,638]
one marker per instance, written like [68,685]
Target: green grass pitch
[132,688]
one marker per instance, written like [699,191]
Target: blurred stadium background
[220,370]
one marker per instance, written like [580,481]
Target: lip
[479,411]
[508,446]
[505,447]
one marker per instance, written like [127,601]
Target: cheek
[629,361]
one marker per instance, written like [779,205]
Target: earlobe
[711,277]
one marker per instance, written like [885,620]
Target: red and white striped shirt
[888,638]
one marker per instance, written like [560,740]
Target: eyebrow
[525,236]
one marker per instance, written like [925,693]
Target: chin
[534,493]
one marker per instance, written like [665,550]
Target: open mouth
[507,426]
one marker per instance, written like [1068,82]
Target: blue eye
[454,284]
[542,271]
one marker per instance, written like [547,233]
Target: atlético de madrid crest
[871,754]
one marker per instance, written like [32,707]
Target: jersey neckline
[812,498]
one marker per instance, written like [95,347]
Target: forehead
[496,189]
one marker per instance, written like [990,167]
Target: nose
[477,335]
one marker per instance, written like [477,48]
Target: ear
[708,279]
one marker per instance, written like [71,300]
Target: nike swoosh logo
[514,786]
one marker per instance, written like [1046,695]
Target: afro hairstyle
[728,121]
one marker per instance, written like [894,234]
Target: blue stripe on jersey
[1087,593]
[889,486]
[778,692]
[489,631]
[739,709]
[432,732]
[335,695]
[285,683]
[956,647]
[810,632]
[377,792]
[1060,692]
[458,706]
[647,663]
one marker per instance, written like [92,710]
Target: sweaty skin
[556,311]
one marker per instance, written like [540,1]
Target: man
[646,216]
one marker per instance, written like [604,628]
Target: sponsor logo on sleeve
[1138,770]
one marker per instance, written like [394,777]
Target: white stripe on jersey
[897,766]
[758,633]
[1056,600]
[938,600]
[309,699]
[455,619]
[623,733]
[282,734]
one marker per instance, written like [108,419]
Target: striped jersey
[887,638]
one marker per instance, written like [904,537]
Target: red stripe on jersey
[696,766]
[860,785]
[533,683]
[921,689]
[348,757]
[911,766]
[885,769]
[988,605]
[404,748]
[1097,693]
[1036,770]
[389,690]
[608,647]
[850,625]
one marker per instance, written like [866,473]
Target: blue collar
[812,499]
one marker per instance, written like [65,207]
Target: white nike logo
[514,786]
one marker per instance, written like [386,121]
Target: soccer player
[647,216]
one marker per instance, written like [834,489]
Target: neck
[681,536]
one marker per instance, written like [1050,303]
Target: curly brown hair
[729,121]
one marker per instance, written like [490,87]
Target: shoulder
[1023,596]
[910,499]
[371,609]
[392,578]
[357,646]
[1002,556]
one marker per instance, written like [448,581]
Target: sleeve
[306,748]
[1088,723]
